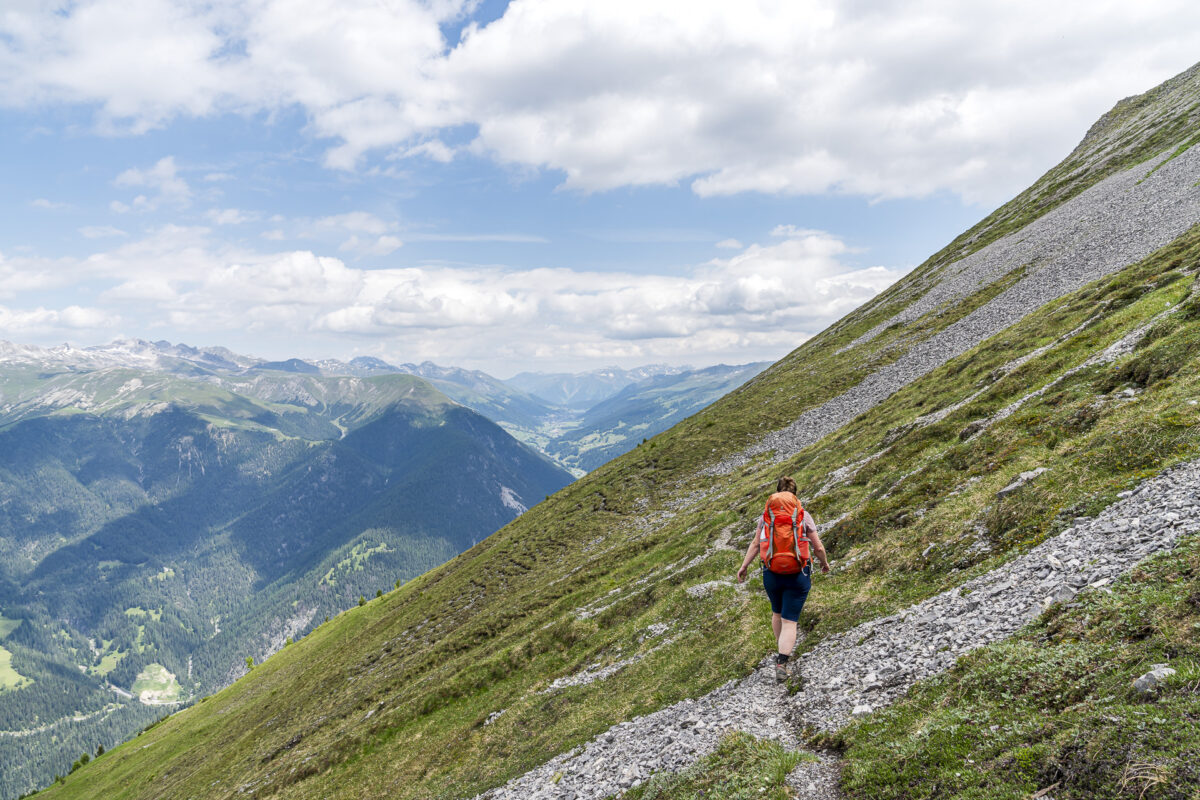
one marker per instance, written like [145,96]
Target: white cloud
[433,149]
[382,246]
[356,222]
[100,232]
[510,238]
[756,304]
[19,275]
[49,205]
[162,179]
[274,235]
[810,96]
[229,216]
[729,244]
[18,323]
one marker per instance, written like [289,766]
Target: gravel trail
[873,664]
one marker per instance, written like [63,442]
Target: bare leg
[776,625]
[786,637]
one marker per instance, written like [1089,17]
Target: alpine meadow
[1001,450]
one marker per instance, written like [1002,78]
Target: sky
[528,185]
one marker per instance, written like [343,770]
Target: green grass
[355,561]
[9,677]
[155,684]
[741,768]
[136,612]
[108,662]
[1055,707]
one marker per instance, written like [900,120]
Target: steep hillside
[208,522]
[1000,399]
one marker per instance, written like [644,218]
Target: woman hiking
[782,539]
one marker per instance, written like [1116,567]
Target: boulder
[1150,682]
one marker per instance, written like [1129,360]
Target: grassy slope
[391,698]
[1055,706]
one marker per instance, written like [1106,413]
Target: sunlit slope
[629,567]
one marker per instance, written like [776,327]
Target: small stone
[861,710]
[1151,680]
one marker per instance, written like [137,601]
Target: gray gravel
[670,739]
[1100,231]
[873,664]
[878,661]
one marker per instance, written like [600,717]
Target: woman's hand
[741,574]
[824,567]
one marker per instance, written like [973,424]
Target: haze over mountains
[1007,437]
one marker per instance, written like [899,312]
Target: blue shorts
[787,593]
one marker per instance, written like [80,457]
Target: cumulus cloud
[162,180]
[810,96]
[758,303]
[17,323]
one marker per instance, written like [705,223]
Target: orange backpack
[782,544]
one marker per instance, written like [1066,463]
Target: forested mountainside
[581,420]
[159,529]
[639,411]
[976,434]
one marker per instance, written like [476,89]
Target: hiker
[782,540]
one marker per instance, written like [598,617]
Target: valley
[160,530]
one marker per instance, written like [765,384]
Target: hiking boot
[781,673]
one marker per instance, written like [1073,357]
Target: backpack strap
[770,523]
[796,533]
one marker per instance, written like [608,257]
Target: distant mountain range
[167,512]
[580,420]
[583,390]
[213,505]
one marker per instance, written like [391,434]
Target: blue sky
[534,185]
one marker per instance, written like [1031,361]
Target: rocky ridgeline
[873,664]
[1101,231]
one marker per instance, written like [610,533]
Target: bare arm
[751,552]
[818,549]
